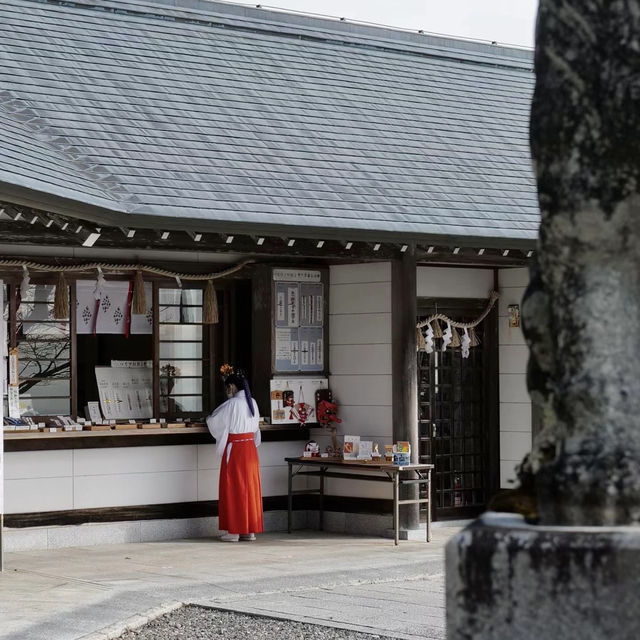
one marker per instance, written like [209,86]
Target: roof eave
[106,217]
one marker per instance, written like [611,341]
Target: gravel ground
[198,623]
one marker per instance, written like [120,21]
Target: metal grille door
[453,431]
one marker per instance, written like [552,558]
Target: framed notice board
[298,320]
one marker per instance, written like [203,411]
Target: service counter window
[80,368]
[43,348]
[183,353]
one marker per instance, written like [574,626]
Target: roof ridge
[304,27]
[103,180]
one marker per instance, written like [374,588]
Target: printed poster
[298,315]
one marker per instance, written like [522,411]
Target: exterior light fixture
[260,241]
[320,244]
[229,239]
[456,251]
[376,246]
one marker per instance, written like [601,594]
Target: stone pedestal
[507,580]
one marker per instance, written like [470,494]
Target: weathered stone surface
[582,315]
[507,580]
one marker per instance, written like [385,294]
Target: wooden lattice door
[454,397]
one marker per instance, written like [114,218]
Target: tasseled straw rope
[139,302]
[61,299]
[210,304]
[455,337]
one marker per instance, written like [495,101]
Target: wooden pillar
[261,336]
[404,369]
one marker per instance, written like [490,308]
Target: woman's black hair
[240,381]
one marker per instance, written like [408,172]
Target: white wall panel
[207,456]
[513,358]
[508,278]
[515,416]
[360,273]
[356,358]
[508,474]
[377,419]
[514,445]
[515,404]
[274,481]
[38,494]
[208,483]
[374,297]
[448,282]
[374,328]
[513,387]
[362,390]
[116,460]
[360,360]
[272,454]
[134,488]
[38,464]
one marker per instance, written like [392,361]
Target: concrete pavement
[365,584]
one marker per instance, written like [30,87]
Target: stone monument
[576,572]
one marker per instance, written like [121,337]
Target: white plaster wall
[360,361]
[515,404]
[452,282]
[126,476]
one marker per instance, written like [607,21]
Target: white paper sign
[13,366]
[94,412]
[296,275]
[13,397]
[132,364]
[125,392]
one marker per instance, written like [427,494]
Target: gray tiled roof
[243,117]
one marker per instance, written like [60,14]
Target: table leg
[290,498]
[429,506]
[396,506]
[321,499]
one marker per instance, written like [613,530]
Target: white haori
[233,416]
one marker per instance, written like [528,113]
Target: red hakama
[240,490]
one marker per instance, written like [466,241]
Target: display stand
[399,476]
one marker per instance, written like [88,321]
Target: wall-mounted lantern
[514,315]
